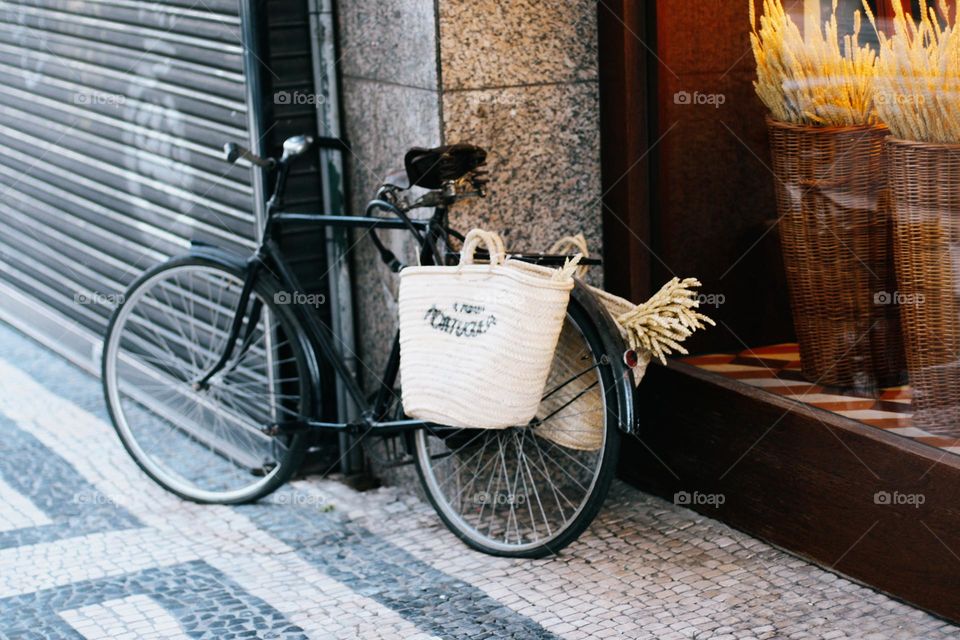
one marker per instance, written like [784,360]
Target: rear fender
[614,349]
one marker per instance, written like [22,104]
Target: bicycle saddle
[430,168]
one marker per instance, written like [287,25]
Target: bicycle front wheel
[530,490]
[205,442]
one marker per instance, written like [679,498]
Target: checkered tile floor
[91,549]
[777,369]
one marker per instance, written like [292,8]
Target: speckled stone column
[520,78]
[391,102]
[517,77]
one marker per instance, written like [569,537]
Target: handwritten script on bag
[465,321]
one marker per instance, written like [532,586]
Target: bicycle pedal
[262,472]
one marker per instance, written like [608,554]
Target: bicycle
[212,376]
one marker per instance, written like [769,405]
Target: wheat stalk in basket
[810,78]
[918,81]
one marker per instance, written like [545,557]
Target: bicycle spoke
[569,382]
[202,441]
[571,401]
[536,493]
[522,469]
[532,487]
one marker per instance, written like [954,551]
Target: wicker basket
[836,240]
[925,195]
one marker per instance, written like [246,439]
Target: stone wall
[517,77]
[391,102]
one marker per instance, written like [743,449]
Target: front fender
[219,256]
[614,348]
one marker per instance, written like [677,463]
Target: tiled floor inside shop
[777,369]
[89,548]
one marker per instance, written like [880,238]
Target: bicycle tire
[592,501]
[147,411]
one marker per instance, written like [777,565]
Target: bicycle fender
[614,348]
[217,255]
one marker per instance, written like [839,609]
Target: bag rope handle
[571,244]
[498,254]
[489,239]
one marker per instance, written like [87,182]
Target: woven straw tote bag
[477,340]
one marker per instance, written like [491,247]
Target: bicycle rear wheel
[530,490]
[206,444]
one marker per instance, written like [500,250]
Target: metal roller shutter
[113,114]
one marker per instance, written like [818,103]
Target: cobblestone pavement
[90,548]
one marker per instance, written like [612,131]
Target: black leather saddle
[430,168]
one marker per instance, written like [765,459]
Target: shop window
[830,258]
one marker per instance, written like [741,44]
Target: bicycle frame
[269,256]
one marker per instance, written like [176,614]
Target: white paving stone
[95,621]
[646,569]
[179,531]
[276,578]
[99,555]
[17,512]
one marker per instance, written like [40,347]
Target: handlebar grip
[233,152]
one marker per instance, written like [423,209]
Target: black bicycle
[212,376]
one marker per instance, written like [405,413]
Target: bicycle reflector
[630,358]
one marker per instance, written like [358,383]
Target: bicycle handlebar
[233,152]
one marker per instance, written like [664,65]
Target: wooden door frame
[626,44]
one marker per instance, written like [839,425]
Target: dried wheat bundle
[918,82]
[812,79]
[658,326]
[654,328]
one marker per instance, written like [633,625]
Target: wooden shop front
[850,475]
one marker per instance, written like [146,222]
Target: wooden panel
[805,480]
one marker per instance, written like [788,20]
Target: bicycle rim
[203,444]
[530,490]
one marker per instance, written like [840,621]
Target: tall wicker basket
[836,240]
[925,193]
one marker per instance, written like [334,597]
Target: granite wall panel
[520,78]
[543,142]
[492,43]
[383,121]
[393,41]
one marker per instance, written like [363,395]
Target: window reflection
[864,204]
